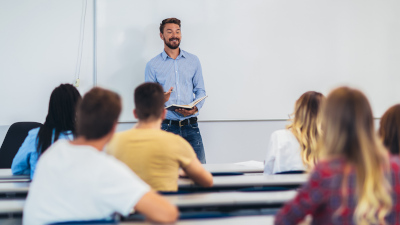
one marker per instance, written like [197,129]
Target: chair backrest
[15,136]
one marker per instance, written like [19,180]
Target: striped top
[184,74]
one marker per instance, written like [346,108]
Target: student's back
[76,183]
[322,196]
[295,148]
[153,154]
[59,124]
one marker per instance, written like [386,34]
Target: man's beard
[172,46]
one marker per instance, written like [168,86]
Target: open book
[189,106]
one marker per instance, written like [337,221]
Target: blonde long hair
[349,132]
[305,126]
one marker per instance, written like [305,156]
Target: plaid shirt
[322,196]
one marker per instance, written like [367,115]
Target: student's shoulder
[282,132]
[172,139]
[328,168]
[395,163]
[111,167]
[283,135]
[122,135]
[29,144]
[33,133]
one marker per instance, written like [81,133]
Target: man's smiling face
[172,35]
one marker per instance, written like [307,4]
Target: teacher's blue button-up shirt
[183,74]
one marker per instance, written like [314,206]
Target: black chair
[15,136]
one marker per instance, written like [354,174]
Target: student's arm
[309,198]
[21,162]
[156,208]
[198,174]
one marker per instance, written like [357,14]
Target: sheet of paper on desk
[251,163]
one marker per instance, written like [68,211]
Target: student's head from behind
[306,125]
[61,115]
[389,129]
[98,113]
[348,133]
[170,32]
[149,102]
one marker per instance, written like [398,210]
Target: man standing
[180,73]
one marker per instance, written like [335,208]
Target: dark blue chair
[15,136]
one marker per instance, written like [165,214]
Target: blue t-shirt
[24,162]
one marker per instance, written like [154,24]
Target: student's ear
[161,36]
[135,114]
[164,114]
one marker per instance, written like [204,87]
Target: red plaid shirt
[321,196]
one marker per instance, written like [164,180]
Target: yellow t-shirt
[154,155]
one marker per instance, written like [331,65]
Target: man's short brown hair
[97,113]
[149,101]
[169,20]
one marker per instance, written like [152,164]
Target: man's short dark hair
[149,101]
[169,20]
[97,113]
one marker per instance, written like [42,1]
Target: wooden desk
[237,182]
[7,176]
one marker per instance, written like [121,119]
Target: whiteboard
[258,56]
[39,50]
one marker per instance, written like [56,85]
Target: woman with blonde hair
[357,182]
[295,148]
[389,129]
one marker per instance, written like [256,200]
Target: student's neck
[173,53]
[154,124]
[97,144]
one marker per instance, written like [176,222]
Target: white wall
[258,56]
[39,43]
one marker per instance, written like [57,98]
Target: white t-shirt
[77,183]
[283,153]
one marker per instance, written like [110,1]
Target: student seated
[389,129]
[357,182]
[76,181]
[153,154]
[59,124]
[295,148]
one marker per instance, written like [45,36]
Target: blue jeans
[190,133]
